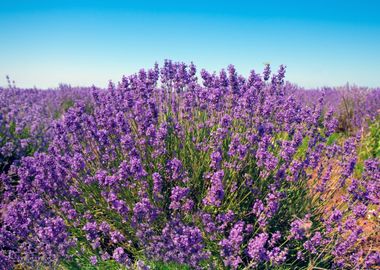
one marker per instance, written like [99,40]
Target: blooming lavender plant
[225,173]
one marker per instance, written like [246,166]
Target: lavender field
[179,168]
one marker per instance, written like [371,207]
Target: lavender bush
[230,173]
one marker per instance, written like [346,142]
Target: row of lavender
[234,172]
[26,116]
[355,107]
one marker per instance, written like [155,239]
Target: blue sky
[43,43]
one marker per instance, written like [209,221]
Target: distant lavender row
[222,172]
[26,116]
[355,106]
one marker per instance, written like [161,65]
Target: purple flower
[256,249]
[372,259]
[336,216]
[215,194]
[116,237]
[231,247]
[93,260]
[277,256]
[360,210]
[179,243]
[157,185]
[225,121]
[314,242]
[120,256]
[144,211]
[258,208]
[179,199]
[175,166]
[216,159]
[91,230]
[266,72]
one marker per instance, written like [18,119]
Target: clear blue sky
[322,42]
